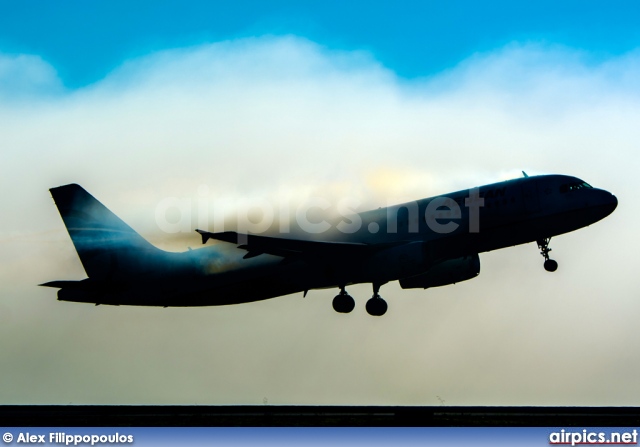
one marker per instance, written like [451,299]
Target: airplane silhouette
[430,242]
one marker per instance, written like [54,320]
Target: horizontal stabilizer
[65,284]
[87,284]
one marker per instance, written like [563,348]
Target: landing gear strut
[343,303]
[549,264]
[376,306]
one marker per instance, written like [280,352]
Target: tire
[550,265]
[376,307]
[343,304]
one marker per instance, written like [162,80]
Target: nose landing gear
[549,264]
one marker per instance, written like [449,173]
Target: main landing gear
[376,306]
[344,303]
[549,264]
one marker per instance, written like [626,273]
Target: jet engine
[446,272]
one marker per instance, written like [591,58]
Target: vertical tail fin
[108,248]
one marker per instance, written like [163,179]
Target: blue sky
[85,40]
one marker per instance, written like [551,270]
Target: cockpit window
[566,187]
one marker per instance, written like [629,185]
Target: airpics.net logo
[441,215]
[590,437]
[61,438]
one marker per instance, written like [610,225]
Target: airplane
[430,242]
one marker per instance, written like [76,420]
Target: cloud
[26,77]
[283,119]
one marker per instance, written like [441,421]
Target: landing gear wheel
[343,303]
[376,306]
[549,264]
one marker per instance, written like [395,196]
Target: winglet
[251,254]
[525,174]
[205,235]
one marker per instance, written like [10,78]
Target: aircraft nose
[610,203]
[613,202]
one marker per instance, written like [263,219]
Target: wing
[257,245]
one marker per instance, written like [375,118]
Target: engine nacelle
[445,273]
